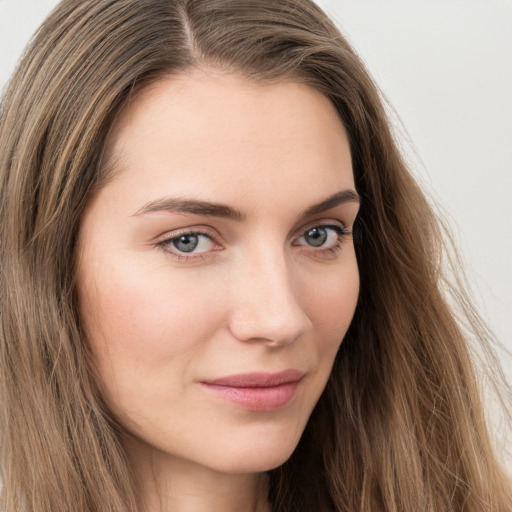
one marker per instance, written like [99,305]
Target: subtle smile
[257,391]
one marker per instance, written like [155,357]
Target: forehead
[214,132]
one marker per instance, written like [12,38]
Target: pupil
[316,237]
[186,243]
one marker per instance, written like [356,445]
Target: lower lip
[257,399]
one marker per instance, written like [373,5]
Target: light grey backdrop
[446,67]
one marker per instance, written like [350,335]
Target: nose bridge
[267,303]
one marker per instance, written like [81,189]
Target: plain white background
[446,67]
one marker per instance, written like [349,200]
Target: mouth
[257,391]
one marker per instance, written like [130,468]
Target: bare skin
[221,247]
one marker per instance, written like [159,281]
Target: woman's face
[217,273]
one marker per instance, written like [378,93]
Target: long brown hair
[400,425]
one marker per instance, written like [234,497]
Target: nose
[267,302]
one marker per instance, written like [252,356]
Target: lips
[257,391]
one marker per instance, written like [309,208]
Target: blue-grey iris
[316,237]
[186,243]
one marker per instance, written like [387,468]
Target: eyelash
[342,233]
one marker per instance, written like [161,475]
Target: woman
[221,288]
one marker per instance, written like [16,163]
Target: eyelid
[192,230]
[326,223]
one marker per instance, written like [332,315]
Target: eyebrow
[205,208]
[342,197]
[209,209]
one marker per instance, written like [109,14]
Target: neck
[166,483]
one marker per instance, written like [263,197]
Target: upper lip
[257,379]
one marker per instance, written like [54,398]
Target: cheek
[140,323]
[332,303]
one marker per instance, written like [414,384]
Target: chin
[260,454]
[253,464]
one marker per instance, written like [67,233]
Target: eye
[189,243]
[323,237]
